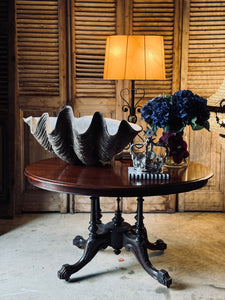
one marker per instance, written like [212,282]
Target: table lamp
[134,58]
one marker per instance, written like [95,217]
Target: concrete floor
[34,246]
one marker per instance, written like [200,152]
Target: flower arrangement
[173,113]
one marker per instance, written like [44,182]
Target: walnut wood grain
[112,180]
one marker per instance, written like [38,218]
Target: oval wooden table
[113,181]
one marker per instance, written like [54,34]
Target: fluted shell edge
[89,147]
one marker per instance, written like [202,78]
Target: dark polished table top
[112,180]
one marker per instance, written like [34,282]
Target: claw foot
[79,241]
[164,278]
[160,245]
[65,272]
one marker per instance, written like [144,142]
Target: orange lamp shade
[134,57]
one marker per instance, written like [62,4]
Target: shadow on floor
[7,225]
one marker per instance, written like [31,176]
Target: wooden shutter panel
[42,87]
[92,22]
[203,70]
[157,18]
[38,47]
[204,44]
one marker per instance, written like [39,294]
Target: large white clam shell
[87,140]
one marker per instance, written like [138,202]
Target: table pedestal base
[117,234]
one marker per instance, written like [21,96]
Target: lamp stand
[132,107]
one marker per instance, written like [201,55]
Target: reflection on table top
[112,180]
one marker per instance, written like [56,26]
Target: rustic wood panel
[36,200]
[33,199]
[42,82]
[151,204]
[206,46]
[38,47]
[203,71]
[205,147]
[42,87]
[82,204]
[89,35]
[158,18]
[92,21]
[222,173]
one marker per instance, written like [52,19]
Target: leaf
[180,130]
[207,126]
[194,125]
[197,127]
[166,128]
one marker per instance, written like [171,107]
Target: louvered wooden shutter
[204,47]
[156,18]
[92,22]
[38,47]
[203,70]
[42,87]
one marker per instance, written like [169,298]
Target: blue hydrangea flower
[174,112]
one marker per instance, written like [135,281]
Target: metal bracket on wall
[219,109]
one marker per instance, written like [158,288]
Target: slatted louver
[3,55]
[206,48]
[93,22]
[38,47]
[156,18]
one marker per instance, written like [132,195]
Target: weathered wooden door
[56,66]
[203,71]
[158,18]
[92,22]
[41,87]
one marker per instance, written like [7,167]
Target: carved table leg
[117,234]
[158,245]
[79,241]
[116,237]
[94,243]
[118,220]
[98,211]
[137,244]
[92,247]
